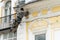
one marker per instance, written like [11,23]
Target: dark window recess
[40,37]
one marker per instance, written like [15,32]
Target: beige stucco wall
[49,25]
[41,18]
[44,16]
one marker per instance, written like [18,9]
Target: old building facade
[42,23]
[7,14]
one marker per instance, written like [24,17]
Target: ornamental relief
[39,24]
[45,12]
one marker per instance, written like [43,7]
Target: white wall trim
[21,31]
[48,15]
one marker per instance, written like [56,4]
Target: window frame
[7,11]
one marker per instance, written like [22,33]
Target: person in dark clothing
[20,15]
[18,20]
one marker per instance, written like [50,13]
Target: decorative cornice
[49,15]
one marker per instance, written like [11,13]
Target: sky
[29,1]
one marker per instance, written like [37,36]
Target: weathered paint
[55,9]
[35,13]
[44,11]
[27,24]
